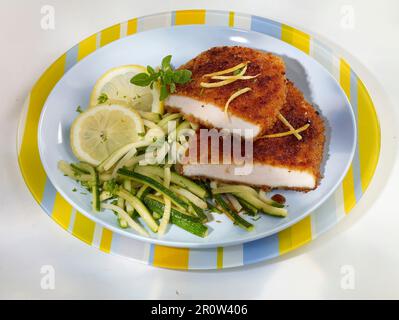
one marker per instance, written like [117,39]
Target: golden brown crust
[289,152]
[305,154]
[259,106]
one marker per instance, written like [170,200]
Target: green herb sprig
[165,76]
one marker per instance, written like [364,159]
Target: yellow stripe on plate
[295,37]
[110,34]
[348,187]
[231,19]
[345,77]
[168,257]
[219,258]
[62,211]
[132,26]
[369,135]
[87,46]
[29,158]
[83,228]
[348,184]
[106,240]
[190,17]
[295,236]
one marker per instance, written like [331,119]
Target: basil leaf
[164,92]
[168,77]
[165,76]
[141,79]
[182,76]
[165,64]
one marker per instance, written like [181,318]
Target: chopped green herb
[238,71]
[110,186]
[74,190]
[166,76]
[79,109]
[102,98]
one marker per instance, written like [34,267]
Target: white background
[367,241]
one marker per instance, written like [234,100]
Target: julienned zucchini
[262,206]
[170,117]
[143,191]
[139,207]
[122,223]
[188,223]
[175,178]
[95,184]
[237,219]
[248,208]
[199,212]
[78,168]
[127,174]
[233,189]
[151,116]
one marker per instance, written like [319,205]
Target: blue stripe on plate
[48,197]
[203,258]
[325,216]
[266,26]
[71,57]
[151,256]
[173,19]
[261,249]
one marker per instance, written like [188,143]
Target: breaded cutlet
[256,110]
[284,163]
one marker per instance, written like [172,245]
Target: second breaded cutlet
[285,162]
[256,110]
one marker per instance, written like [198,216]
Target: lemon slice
[98,132]
[115,86]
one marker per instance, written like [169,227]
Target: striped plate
[335,208]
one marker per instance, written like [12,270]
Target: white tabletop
[359,258]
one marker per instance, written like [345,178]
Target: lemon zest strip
[224,82]
[287,133]
[236,76]
[232,97]
[289,126]
[232,69]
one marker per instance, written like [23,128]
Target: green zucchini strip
[168,203]
[127,174]
[262,206]
[125,216]
[178,218]
[139,207]
[175,178]
[237,219]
